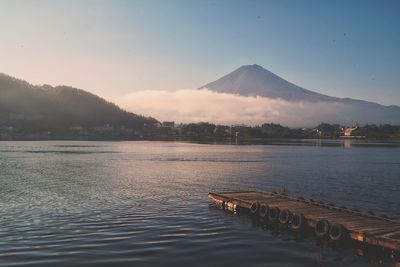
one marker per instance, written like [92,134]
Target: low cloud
[191,105]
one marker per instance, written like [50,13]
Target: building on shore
[349,131]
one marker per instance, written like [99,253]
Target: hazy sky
[112,48]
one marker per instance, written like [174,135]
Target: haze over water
[145,203]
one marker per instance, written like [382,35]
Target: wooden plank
[335,208]
[363,227]
[311,211]
[393,235]
[370,230]
[361,223]
[293,204]
[379,232]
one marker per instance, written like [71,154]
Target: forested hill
[45,108]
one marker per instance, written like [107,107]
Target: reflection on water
[375,255]
[145,203]
[347,143]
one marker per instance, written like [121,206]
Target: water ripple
[145,204]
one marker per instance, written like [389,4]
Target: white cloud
[191,105]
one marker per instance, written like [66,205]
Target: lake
[66,203]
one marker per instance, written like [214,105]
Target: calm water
[145,203]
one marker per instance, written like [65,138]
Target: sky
[115,48]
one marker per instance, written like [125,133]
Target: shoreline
[322,142]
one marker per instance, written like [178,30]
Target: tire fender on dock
[263,211]
[254,207]
[322,228]
[298,221]
[285,216]
[337,232]
[273,214]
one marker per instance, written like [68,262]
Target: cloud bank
[191,105]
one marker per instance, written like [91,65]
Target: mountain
[254,80]
[27,107]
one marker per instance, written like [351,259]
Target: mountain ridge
[58,108]
[255,80]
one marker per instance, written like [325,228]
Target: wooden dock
[327,220]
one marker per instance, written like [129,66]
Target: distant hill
[46,108]
[254,80]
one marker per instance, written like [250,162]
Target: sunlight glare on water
[145,203]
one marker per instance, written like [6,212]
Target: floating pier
[326,220]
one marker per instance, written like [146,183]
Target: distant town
[169,130]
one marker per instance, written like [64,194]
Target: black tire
[273,214]
[254,207]
[285,216]
[322,228]
[337,232]
[263,211]
[298,221]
